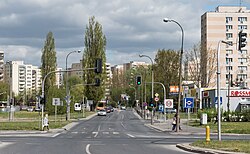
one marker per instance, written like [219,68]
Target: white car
[101,112]
[123,108]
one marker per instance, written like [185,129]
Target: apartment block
[224,24]
[22,78]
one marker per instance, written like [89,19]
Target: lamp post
[152,91]
[180,70]
[67,87]
[218,88]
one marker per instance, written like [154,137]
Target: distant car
[171,110]
[123,108]
[30,109]
[101,112]
[108,110]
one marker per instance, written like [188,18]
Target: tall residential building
[59,77]
[22,78]
[224,24]
[1,65]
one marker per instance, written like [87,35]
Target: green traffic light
[138,83]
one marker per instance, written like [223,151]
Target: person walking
[174,122]
[46,122]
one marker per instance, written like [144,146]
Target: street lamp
[180,70]
[152,94]
[218,87]
[67,88]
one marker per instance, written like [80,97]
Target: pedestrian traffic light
[97,82]
[98,65]
[242,40]
[138,80]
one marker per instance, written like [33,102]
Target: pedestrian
[174,122]
[46,122]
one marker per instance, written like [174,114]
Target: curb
[188,147]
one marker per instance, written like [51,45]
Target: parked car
[171,110]
[101,112]
[123,107]
[30,109]
[108,110]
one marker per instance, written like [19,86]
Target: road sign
[216,100]
[157,99]
[156,95]
[56,101]
[169,103]
[189,102]
[161,108]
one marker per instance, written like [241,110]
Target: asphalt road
[120,132]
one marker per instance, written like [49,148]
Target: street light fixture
[152,91]
[67,88]
[180,70]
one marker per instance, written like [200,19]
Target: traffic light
[98,65]
[138,80]
[42,100]
[242,40]
[97,82]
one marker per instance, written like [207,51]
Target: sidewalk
[36,132]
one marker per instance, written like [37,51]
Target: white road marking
[105,132]
[99,128]
[115,133]
[123,125]
[55,135]
[96,133]
[131,135]
[74,132]
[87,149]
[5,144]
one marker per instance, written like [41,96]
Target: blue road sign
[216,100]
[161,108]
[189,102]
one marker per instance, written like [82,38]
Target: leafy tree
[48,62]
[4,90]
[95,46]
[166,69]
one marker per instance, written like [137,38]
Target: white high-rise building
[1,65]
[22,78]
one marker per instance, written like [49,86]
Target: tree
[49,62]
[4,90]
[167,68]
[208,67]
[192,64]
[95,46]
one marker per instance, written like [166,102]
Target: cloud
[131,27]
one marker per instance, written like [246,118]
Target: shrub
[211,113]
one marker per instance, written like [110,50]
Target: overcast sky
[132,27]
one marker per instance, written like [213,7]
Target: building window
[228,27]
[242,60]
[242,76]
[229,68]
[243,68]
[229,52]
[229,60]
[229,44]
[242,27]
[227,76]
[228,19]
[242,19]
[244,52]
[229,35]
